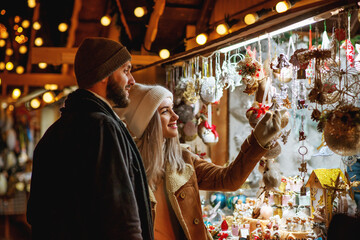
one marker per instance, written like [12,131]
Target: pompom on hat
[144,102]
[97,58]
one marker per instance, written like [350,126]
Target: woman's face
[168,118]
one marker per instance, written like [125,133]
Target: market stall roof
[171,24]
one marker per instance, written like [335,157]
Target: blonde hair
[157,151]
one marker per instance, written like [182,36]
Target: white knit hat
[144,101]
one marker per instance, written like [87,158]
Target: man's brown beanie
[96,58]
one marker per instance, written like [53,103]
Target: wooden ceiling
[170,24]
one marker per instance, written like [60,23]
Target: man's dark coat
[88,180]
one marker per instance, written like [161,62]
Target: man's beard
[116,93]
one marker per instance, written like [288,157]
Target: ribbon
[212,128]
[223,235]
[260,111]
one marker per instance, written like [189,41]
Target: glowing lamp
[164,53]
[63,27]
[140,12]
[20,70]
[22,49]
[42,65]
[201,38]
[48,97]
[251,18]
[38,41]
[105,21]
[222,29]
[35,103]
[282,6]
[16,93]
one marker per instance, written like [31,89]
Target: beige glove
[268,127]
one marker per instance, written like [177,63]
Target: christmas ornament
[218,198]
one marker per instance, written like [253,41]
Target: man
[88,181]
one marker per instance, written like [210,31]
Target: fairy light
[31,3]
[9,52]
[38,41]
[251,18]
[25,23]
[139,12]
[36,26]
[22,49]
[51,86]
[20,69]
[201,39]
[282,6]
[164,53]
[222,29]
[35,103]
[48,97]
[105,20]
[62,27]
[9,66]
[42,65]
[2,42]
[2,66]
[16,93]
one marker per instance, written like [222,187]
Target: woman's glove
[268,127]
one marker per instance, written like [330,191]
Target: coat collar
[175,180]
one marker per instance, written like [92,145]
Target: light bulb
[20,70]
[105,21]
[282,6]
[222,29]
[63,27]
[42,65]
[48,97]
[35,103]
[201,38]
[16,93]
[22,49]
[251,18]
[9,66]
[164,53]
[36,25]
[139,12]
[38,41]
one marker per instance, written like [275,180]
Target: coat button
[196,221]
[182,195]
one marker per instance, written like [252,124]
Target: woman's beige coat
[183,188]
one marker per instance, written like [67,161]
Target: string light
[48,97]
[35,103]
[222,29]
[20,70]
[105,20]
[62,27]
[251,18]
[282,6]
[42,65]
[38,41]
[201,39]
[16,93]
[51,86]
[164,53]
[2,65]
[140,12]
[9,52]
[31,3]
[22,49]
[2,42]
[9,66]
[36,26]
[25,23]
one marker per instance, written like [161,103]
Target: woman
[175,175]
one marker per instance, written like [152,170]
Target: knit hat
[96,58]
[144,102]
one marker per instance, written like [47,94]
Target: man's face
[119,84]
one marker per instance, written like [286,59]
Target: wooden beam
[58,55]
[152,29]
[123,19]
[205,15]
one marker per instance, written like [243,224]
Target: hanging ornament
[357,59]
[342,131]
[350,52]
[210,90]
[325,44]
[207,130]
